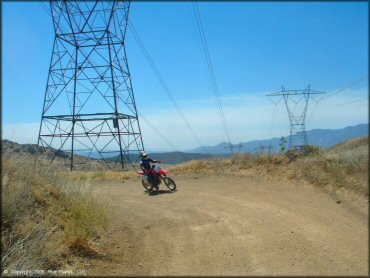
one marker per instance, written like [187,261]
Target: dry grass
[237,163]
[45,216]
[109,175]
[345,166]
[212,166]
[342,167]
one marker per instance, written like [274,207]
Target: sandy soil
[230,226]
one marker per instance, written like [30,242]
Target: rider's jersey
[145,163]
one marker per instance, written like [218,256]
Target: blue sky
[255,48]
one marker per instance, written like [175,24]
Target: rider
[145,164]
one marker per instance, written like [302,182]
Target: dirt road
[231,226]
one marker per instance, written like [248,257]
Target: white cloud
[249,117]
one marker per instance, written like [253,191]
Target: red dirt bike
[159,174]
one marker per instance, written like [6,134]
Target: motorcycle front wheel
[170,183]
[147,185]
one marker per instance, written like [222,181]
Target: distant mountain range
[172,157]
[324,138]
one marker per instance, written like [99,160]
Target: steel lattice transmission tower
[89,106]
[296,103]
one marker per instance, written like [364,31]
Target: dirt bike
[158,174]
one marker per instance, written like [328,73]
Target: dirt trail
[231,226]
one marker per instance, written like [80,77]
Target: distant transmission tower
[296,103]
[89,107]
[232,147]
[262,147]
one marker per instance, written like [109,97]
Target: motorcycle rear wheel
[170,183]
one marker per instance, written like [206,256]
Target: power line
[347,87]
[337,92]
[313,110]
[354,101]
[163,83]
[158,132]
[210,69]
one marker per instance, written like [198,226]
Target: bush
[347,168]
[85,219]
[302,151]
[312,150]
[344,167]
[44,215]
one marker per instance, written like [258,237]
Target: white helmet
[143,154]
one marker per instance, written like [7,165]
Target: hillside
[47,218]
[324,138]
[10,148]
[351,144]
[14,150]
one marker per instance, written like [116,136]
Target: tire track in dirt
[231,226]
